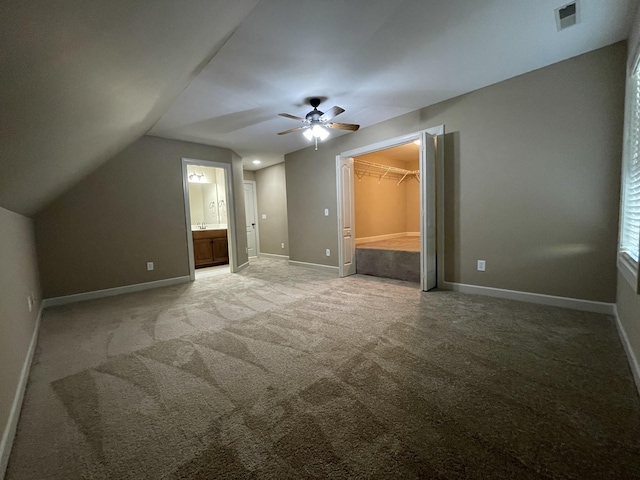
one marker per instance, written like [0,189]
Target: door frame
[255,209]
[231,212]
[438,132]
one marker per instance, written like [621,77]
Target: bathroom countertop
[210,226]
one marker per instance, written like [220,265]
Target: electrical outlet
[481,265]
[264,216]
[149,266]
[282,245]
[328,252]
[326,212]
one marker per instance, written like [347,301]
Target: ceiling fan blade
[332,112]
[343,126]
[291,116]
[292,130]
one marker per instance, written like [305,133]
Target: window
[630,205]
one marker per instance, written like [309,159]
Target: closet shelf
[362,168]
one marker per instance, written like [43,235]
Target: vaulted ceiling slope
[82,79]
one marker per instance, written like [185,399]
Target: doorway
[387,212]
[209,214]
[431,152]
[251,215]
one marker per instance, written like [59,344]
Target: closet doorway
[359,171]
[386,193]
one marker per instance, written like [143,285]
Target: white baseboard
[631,356]
[381,237]
[316,266]
[109,292]
[273,255]
[539,298]
[14,414]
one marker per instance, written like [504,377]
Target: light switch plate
[326,212]
[481,265]
[149,266]
[264,216]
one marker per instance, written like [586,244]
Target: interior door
[251,216]
[428,276]
[346,217]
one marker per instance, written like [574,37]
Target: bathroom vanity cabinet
[210,247]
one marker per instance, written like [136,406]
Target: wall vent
[567,16]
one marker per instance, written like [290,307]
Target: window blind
[630,222]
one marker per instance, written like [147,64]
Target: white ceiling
[377,59]
[82,79]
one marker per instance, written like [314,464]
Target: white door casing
[431,203]
[428,277]
[346,217]
[251,215]
[231,215]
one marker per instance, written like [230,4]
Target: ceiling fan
[316,122]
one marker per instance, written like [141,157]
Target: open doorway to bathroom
[208,213]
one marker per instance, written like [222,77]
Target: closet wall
[382,207]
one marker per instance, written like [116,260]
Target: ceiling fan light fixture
[317,131]
[308,134]
[318,123]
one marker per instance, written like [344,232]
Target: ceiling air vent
[567,15]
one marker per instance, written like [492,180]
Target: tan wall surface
[311,187]
[380,204]
[271,186]
[249,175]
[18,280]
[628,300]
[533,178]
[413,199]
[100,233]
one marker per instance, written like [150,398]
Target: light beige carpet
[286,372]
[403,244]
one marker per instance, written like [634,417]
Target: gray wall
[18,280]
[628,297]
[272,200]
[532,169]
[101,232]
[311,187]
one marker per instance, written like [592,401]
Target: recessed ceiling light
[257,162]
